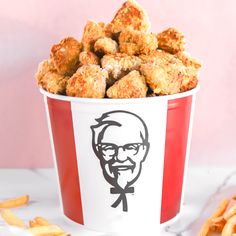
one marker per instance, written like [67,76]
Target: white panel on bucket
[120,140]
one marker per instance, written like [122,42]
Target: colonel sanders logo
[120,141]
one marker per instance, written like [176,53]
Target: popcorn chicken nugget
[133,42]
[133,85]
[65,56]
[189,79]
[118,65]
[188,60]
[43,68]
[92,32]
[54,83]
[160,57]
[89,81]
[88,58]
[163,80]
[192,70]
[106,45]
[171,40]
[130,14]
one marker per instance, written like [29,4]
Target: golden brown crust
[65,55]
[118,65]
[106,45]
[188,60]
[54,83]
[160,57]
[132,15]
[132,85]
[89,81]
[92,32]
[171,40]
[163,80]
[87,58]
[44,67]
[133,42]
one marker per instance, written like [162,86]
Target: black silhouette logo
[120,141]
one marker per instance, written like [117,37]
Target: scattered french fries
[11,219]
[37,227]
[15,202]
[46,230]
[222,221]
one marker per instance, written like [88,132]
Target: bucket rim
[119,100]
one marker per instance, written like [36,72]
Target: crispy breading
[166,74]
[92,32]
[193,67]
[65,56]
[118,65]
[134,42]
[133,85]
[54,83]
[189,79]
[188,60]
[163,79]
[130,14]
[44,67]
[86,58]
[106,45]
[89,81]
[160,57]
[171,40]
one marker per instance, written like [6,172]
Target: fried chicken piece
[89,81]
[188,60]
[54,83]
[130,14]
[44,67]
[160,57]
[118,65]
[65,56]
[133,42]
[106,45]
[171,40]
[193,67]
[162,79]
[133,85]
[87,58]
[92,32]
[189,79]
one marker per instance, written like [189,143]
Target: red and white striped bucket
[121,162]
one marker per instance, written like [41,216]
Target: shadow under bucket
[121,163]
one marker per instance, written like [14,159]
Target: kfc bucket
[121,162]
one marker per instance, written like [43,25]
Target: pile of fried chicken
[121,59]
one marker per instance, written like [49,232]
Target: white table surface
[205,188]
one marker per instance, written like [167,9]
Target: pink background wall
[28,29]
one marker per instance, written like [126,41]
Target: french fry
[33,223]
[221,208]
[217,227]
[234,197]
[211,226]
[218,219]
[41,221]
[229,227]
[47,230]
[205,228]
[11,219]
[228,214]
[15,202]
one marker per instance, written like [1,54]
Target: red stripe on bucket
[64,145]
[178,119]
